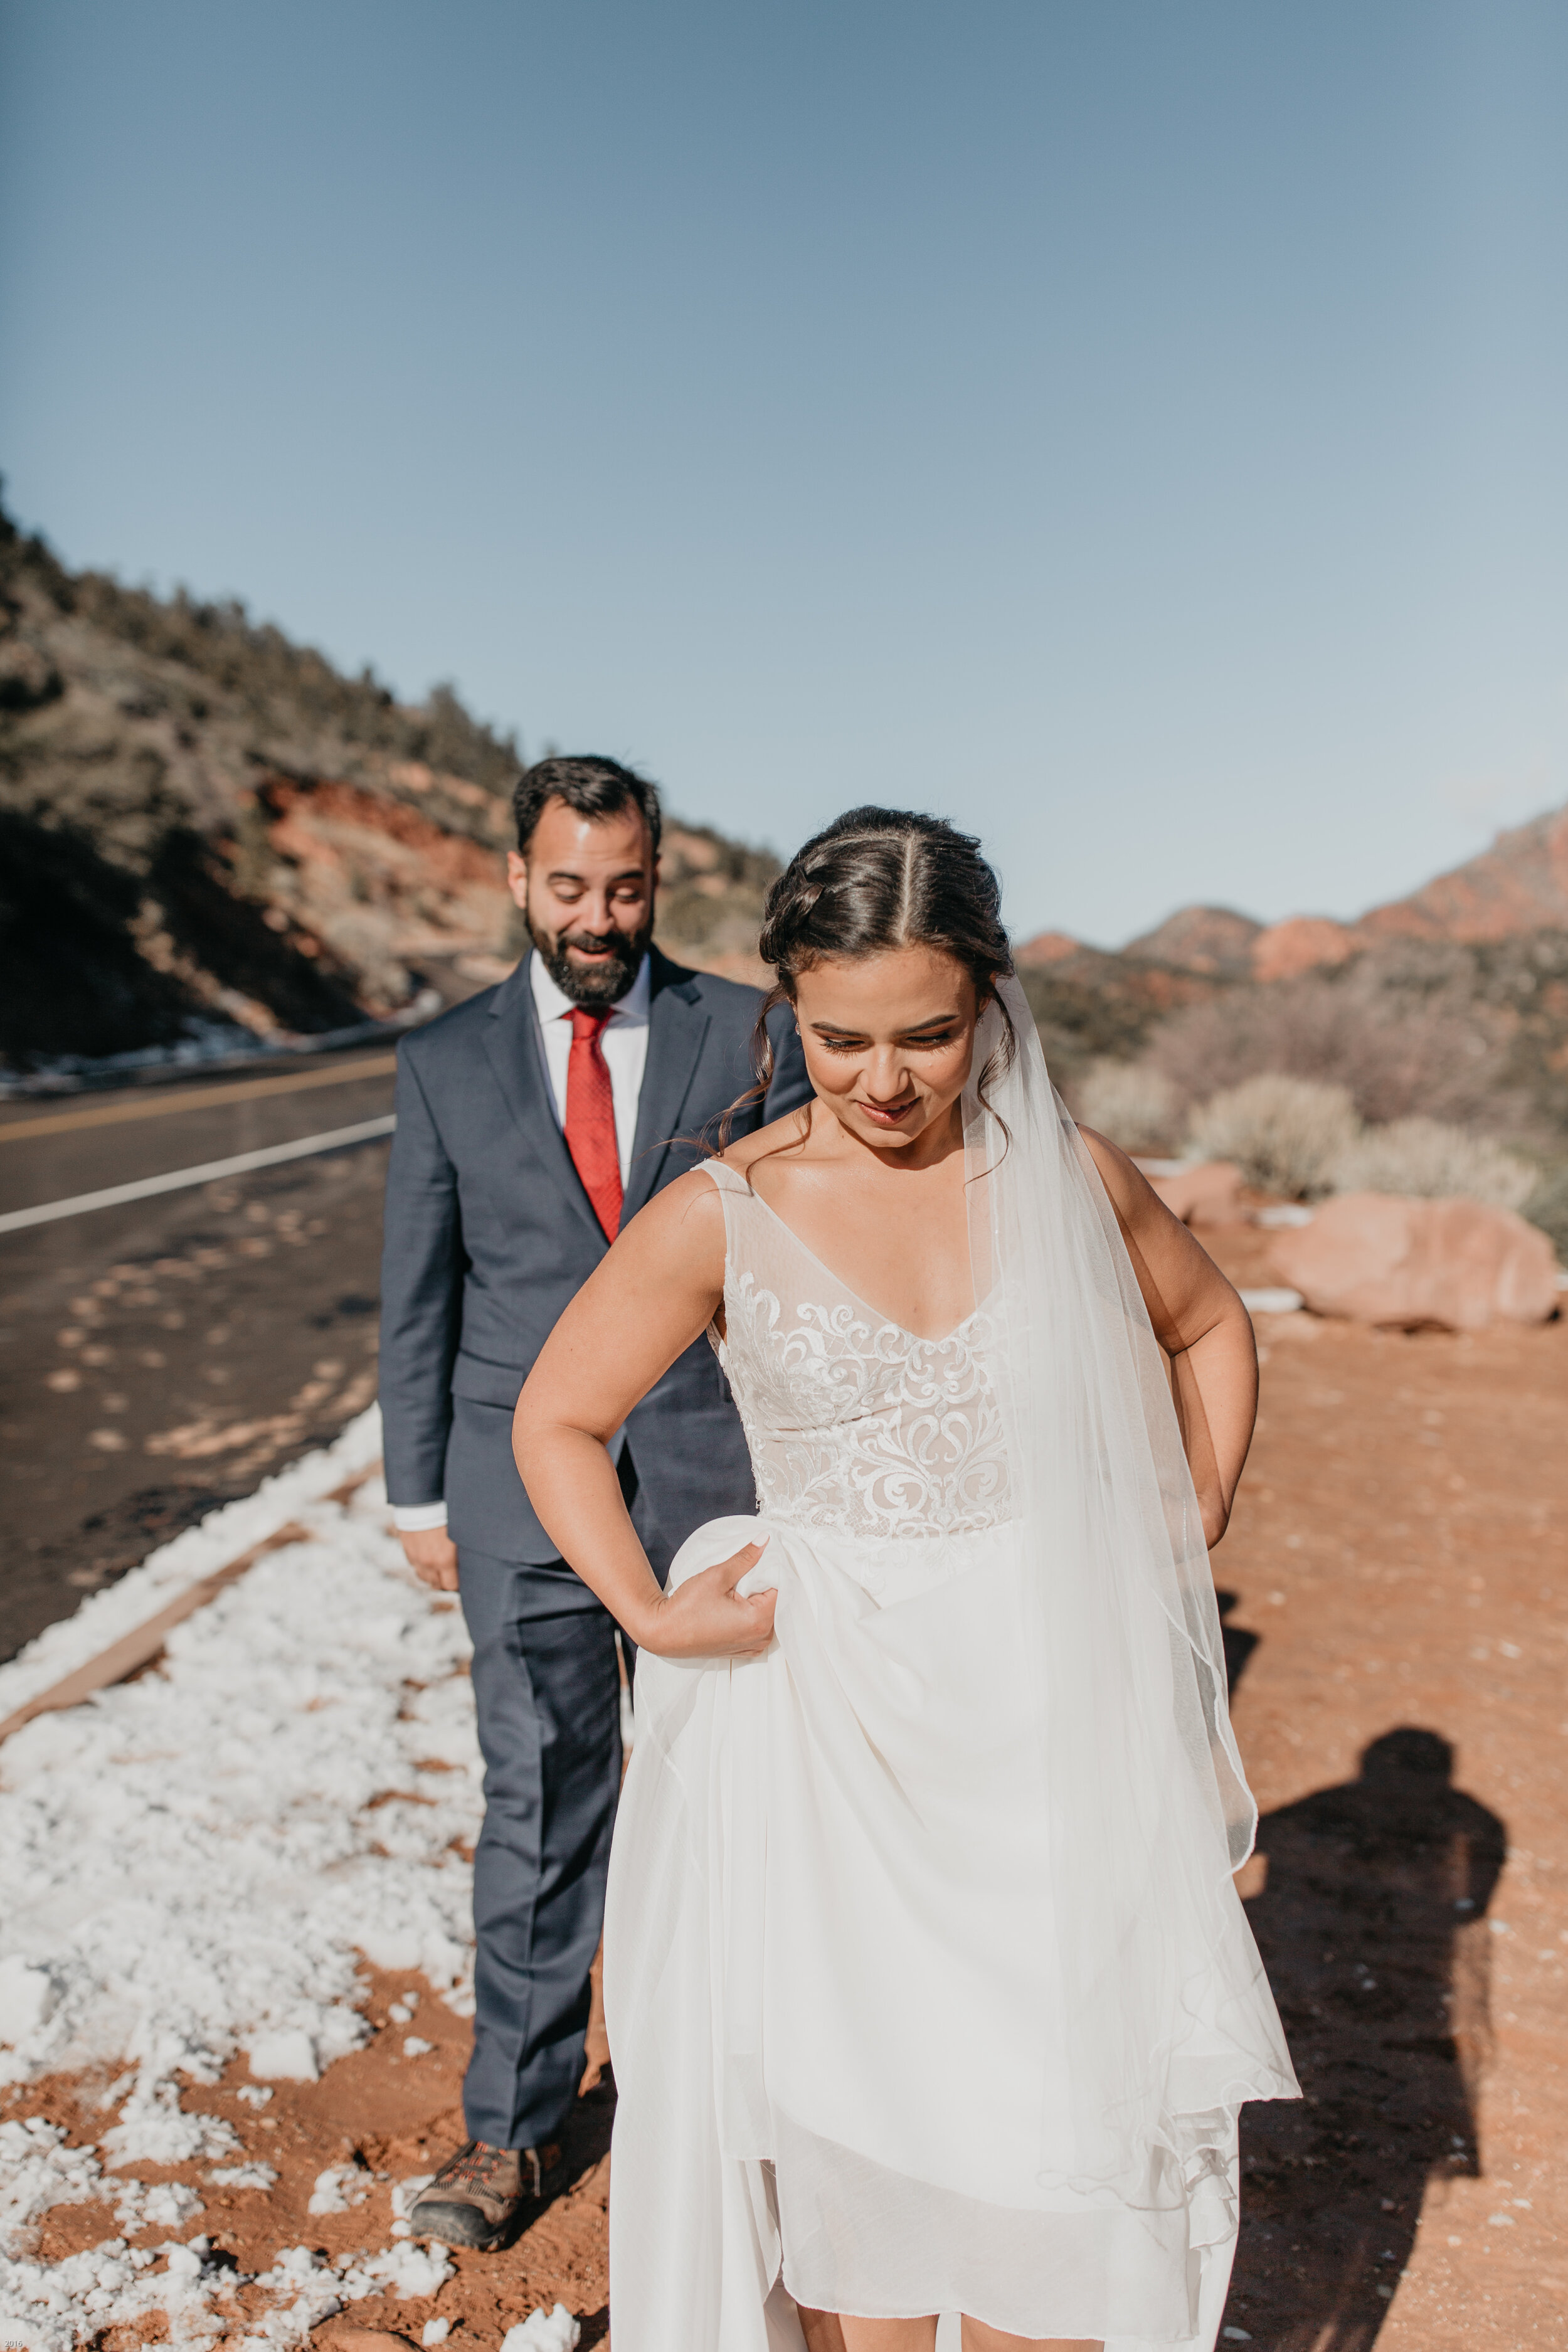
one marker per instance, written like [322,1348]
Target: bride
[927,1986]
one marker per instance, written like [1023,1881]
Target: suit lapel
[515,1052]
[678,1025]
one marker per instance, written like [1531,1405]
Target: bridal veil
[1149,1810]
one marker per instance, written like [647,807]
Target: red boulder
[1379,1258]
[1206,1194]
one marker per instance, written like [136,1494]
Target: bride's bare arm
[1201,1324]
[656,1292]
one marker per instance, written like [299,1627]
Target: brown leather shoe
[480,2195]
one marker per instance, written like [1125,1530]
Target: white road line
[177,1179]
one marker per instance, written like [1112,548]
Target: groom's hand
[433,1556]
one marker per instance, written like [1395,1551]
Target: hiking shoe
[479,2195]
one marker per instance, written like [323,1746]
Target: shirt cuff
[417,1518]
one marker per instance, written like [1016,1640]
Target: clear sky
[1136,428]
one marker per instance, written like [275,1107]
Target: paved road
[161,1357]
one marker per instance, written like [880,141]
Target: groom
[532,1121]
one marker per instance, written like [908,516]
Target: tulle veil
[1148,1810]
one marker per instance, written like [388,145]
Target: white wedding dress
[827,1945]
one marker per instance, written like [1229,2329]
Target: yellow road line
[65,1122]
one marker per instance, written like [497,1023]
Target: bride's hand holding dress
[659,1289]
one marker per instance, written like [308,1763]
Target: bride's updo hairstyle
[877,879]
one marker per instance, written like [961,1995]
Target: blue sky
[1135,430]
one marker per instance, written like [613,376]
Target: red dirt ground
[1395,1580]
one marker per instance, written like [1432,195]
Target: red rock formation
[1301,943]
[382,885]
[1199,939]
[1046,948]
[1519,884]
[1378,1257]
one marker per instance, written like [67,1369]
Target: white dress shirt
[624,1043]
[625,1046]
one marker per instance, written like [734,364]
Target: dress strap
[727,1178]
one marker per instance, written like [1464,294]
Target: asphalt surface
[163,1357]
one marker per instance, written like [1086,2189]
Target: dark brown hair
[877,879]
[590,786]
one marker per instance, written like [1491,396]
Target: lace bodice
[853,1422]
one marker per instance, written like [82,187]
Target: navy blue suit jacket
[489,1234]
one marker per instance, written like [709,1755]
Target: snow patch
[37,2171]
[104,1617]
[54,2307]
[338,2189]
[169,2206]
[284,2056]
[545,2331]
[244,2176]
[28,2000]
[153,2128]
[190,1864]
[60,2306]
[189,1860]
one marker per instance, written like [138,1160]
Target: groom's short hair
[590,787]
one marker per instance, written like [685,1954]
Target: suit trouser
[548,1699]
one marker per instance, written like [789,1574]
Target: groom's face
[587,887]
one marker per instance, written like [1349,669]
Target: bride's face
[889,1040]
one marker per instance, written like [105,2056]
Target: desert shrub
[1102,1008]
[1285,1135]
[1395,1052]
[1547,1207]
[1133,1105]
[1434,1162]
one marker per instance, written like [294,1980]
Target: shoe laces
[473,2166]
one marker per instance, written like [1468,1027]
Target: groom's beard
[595,985]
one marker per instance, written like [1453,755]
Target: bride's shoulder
[1115,1168]
[678,1236]
[786,1135]
[1131,1195]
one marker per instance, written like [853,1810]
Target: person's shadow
[1372,1926]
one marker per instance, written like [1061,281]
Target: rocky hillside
[1453,1001]
[204,827]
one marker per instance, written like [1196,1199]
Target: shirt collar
[555,1004]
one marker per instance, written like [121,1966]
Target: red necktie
[591,1118]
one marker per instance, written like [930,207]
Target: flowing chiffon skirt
[828,1985]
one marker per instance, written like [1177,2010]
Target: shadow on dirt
[1239,1643]
[1372,1926]
[586,2133]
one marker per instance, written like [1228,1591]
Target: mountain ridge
[1517,886]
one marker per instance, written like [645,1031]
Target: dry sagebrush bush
[1294,1136]
[1547,1208]
[1285,1135]
[1427,1158]
[1133,1105]
[1395,1057]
